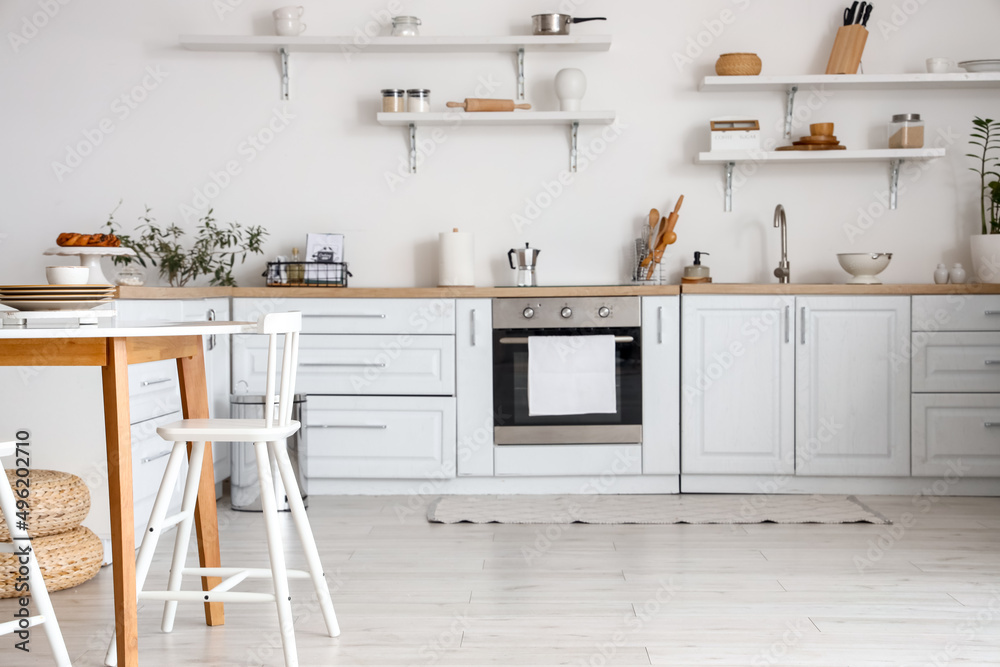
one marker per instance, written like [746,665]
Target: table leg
[119,443]
[194,402]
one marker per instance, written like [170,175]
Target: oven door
[514,426]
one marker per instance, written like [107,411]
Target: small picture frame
[323,248]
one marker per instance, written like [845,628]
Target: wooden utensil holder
[845,58]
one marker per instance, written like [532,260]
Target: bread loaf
[72,240]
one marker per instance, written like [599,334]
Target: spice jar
[393,99]
[418,100]
[906,131]
[405,26]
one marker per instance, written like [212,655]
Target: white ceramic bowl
[864,266]
[67,275]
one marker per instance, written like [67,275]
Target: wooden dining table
[114,347]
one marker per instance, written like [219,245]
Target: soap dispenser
[697,272]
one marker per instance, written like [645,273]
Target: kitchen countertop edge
[902,289]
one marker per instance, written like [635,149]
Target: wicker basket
[738,64]
[67,559]
[58,502]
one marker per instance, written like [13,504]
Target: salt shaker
[957,275]
[941,274]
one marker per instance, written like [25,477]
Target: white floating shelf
[895,157]
[849,82]
[458,118]
[352,44]
[873,155]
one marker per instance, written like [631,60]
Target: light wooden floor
[925,591]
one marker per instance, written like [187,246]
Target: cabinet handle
[211,339]
[788,323]
[146,383]
[524,341]
[992,362]
[378,426]
[803,318]
[991,424]
[991,312]
[360,364]
[155,456]
[372,315]
[472,333]
[659,325]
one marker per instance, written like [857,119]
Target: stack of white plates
[55,297]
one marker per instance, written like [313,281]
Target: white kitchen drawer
[153,390]
[956,361]
[957,433]
[149,459]
[956,312]
[150,310]
[409,437]
[358,316]
[363,365]
[567,460]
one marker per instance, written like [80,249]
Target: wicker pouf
[57,502]
[67,559]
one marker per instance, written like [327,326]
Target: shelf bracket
[413,148]
[729,186]
[573,148]
[284,73]
[790,110]
[520,74]
[893,183]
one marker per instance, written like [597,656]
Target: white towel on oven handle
[571,375]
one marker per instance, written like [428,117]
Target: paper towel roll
[456,259]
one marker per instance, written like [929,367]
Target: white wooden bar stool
[267,435]
[36,585]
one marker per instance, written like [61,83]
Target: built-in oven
[515,320]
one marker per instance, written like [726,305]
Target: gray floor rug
[652,509]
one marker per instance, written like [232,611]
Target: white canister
[456,259]
[571,84]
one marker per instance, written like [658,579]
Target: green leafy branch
[986,134]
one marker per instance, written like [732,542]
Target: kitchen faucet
[782,272]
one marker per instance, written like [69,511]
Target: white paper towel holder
[450,273]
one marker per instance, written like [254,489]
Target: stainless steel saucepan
[556,24]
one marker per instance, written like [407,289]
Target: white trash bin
[244,489]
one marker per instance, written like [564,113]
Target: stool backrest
[275,324]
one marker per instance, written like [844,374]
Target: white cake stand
[90,256]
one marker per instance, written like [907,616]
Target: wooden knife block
[845,58]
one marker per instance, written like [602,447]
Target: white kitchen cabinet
[660,385]
[852,386]
[737,379]
[217,370]
[474,387]
[957,434]
[409,437]
[956,361]
[358,316]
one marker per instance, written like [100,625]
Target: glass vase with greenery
[986,135]
[214,253]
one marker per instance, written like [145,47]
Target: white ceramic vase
[986,257]
[571,84]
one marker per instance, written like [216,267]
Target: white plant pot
[571,84]
[986,257]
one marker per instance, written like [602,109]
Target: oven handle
[524,341]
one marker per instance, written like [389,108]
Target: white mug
[940,65]
[289,27]
[289,12]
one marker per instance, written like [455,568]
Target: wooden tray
[812,147]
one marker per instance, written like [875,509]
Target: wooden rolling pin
[477,104]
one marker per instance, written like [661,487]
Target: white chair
[267,435]
[36,585]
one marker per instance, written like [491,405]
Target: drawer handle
[379,426]
[362,364]
[524,341]
[146,383]
[155,456]
[993,362]
[992,312]
[991,424]
[371,315]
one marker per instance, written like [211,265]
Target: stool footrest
[206,596]
[11,626]
[175,519]
[252,572]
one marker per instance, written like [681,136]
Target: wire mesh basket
[307,274]
[641,274]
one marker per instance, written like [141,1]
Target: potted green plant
[985,246]
[214,252]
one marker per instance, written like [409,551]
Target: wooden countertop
[576,291]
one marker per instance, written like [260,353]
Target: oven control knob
[566,312]
[528,313]
[604,311]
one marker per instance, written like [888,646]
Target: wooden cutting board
[812,147]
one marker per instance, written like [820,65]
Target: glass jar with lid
[906,131]
[393,100]
[418,100]
[405,26]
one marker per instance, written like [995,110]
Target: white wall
[326,171]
